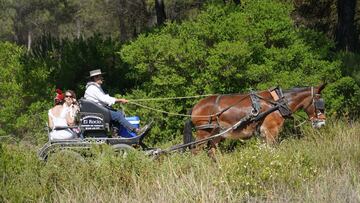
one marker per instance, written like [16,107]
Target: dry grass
[322,166]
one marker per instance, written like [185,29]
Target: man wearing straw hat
[95,93]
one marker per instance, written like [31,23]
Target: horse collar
[278,96]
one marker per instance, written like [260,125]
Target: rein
[171,98]
[133,102]
[179,114]
[158,110]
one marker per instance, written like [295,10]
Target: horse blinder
[319,104]
[319,119]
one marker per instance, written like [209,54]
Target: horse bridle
[318,119]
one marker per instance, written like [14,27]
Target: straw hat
[95,73]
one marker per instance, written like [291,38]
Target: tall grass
[322,166]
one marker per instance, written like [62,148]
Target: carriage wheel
[65,155]
[122,149]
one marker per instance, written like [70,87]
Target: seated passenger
[59,119]
[72,106]
[95,93]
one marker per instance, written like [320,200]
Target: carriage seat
[92,107]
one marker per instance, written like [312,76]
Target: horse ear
[321,87]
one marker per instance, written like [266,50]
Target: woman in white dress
[61,116]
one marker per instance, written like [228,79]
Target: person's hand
[124,101]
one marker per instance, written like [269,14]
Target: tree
[346,34]
[160,12]
[31,19]
[336,18]
[24,22]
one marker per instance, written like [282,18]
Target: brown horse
[238,116]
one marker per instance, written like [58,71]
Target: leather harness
[279,103]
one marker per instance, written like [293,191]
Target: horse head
[315,109]
[309,99]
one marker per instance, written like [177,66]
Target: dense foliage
[24,98]
[226,49]
[230,50]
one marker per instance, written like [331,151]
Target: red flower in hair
[58,91]
[59,95]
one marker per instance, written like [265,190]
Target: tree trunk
[121,9]
[78,28]
[160,12]
[29,40]
[346,38]
[21,33]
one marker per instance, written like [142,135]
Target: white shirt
[95,93]
[60,122]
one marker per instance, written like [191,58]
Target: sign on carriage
[92,122]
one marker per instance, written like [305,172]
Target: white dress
[60,122]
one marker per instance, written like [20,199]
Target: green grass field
[321,166]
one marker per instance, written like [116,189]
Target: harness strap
[278,96]
[274,95]
[312,91]
[279,104]
[207,126]
[218,115]
[255,102]
[243,121]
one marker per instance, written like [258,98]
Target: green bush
[342,98]
[11,97]
[226,49]
[25,95]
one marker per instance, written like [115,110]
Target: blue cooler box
[135,121]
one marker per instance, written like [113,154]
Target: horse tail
[187,136]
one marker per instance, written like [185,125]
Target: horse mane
[321,87]
[293,90]
[296,90]
[302,89]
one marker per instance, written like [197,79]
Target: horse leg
[270,128]
[213,146]
[200,134]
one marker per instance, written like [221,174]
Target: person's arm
[71,115]
[121,100]
[70,120]
[50,122]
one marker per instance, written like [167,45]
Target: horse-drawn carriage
[95,128]
[214,118]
